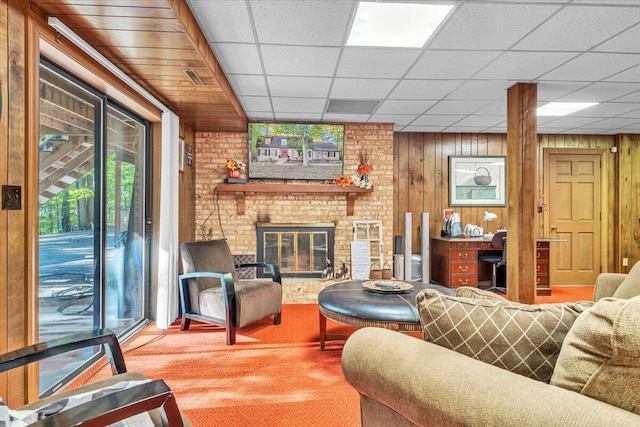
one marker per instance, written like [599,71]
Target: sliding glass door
[92,217]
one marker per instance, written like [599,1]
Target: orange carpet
[272,376]
[567,294]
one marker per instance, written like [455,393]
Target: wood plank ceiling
[155,42]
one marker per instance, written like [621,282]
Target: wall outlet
[625,262]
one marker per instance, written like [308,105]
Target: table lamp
[488,216]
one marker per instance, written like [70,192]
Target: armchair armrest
[607,284]
[274,269]
[44,350]
[118,406]
[226,279]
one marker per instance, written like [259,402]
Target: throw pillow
[630,286]
[600,356]
[524,339]
[469,292]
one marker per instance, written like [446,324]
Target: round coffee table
[350,304]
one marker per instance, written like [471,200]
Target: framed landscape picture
[477,181]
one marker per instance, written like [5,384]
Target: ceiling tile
[482,89]
[414,128]
[597,92]
[450,64]
[481,121]
[223,20]
[613,123]
[631,75]
[244,84]
[627,41]
[345,118]
[489,26]
[238,58]
[312,87]
[299,61]
[424,89]
[362,88]
[376,62]
[590,67]
[523,66]
[404,106]
[578,28]
[256,103]
[302,105]
[457,107]
[437,120]
[299,116]
[398,119]
[609,109]
[551,91]
[309,22]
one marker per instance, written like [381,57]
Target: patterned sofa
[489,362]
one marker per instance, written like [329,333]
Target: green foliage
[80,195]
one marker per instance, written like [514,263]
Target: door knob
[554,227]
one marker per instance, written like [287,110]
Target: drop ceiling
[287,60]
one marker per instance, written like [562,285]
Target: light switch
[11,197]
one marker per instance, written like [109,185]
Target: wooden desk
[454,262]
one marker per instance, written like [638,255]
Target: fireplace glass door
[299,252]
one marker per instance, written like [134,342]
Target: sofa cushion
[630,286]
[524,339]
[470,292]
[600,356]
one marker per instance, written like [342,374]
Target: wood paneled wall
[421,178]
[421,184]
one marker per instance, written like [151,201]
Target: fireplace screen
[300,251]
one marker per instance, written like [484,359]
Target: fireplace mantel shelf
[241,189]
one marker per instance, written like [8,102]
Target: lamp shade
[489,216]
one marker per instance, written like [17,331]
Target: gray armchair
[211,292]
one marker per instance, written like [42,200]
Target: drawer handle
[463,256]
[537,281]
[464,282]
[537,254]
[464,268]
[538,268]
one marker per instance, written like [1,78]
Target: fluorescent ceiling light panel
[396,24]
[560,109]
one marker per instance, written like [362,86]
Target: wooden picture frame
[477,181]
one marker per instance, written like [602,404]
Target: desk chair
[499,259]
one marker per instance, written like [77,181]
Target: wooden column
[522,146]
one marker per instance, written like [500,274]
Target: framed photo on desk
[477,181]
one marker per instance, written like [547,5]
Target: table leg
[323,330]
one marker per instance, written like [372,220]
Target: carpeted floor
[272,376]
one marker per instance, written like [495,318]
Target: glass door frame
[100,218]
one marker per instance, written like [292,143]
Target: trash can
[416,267]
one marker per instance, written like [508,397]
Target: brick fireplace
[301,250]
[211,150]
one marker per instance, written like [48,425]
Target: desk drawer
[463,268]
[463,245]
[542,254]
[542,281]
[464,280]
[462,256]
[542,268]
